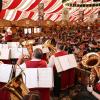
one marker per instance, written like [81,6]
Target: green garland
[83,5]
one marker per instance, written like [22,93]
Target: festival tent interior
[53,9]
[24,24]
[45,13]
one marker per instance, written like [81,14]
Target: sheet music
[18,71]
[3,46]
[29,77]
[5,72]
[15,52]
[37,77]
[4,53]
[37,46]
[58,65]
[65,62]
[45,50]
[72,60]
[13,44]
[45,77]
[25,51]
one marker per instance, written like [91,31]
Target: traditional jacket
[64,79]
[67,77]
[44,92]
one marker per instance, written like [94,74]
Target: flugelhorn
[91,60]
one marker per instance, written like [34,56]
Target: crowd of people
[76,42]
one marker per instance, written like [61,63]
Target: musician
[95,94]
[36,62]
[95,78]
[62,80]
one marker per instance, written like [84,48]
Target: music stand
[12,74]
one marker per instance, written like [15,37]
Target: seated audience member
[36,62]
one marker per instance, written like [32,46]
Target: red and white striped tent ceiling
[19,9]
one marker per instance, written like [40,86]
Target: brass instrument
[29,45]
[91,60]
[17,88]
[50,46]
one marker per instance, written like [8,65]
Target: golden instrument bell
[91,60]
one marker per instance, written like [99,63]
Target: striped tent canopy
[20,9]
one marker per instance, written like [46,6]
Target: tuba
[91,60]
[17,88]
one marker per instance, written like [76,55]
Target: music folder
[15,53]
[63,63]
[4,53]
[13,44]
[37,77]
[4,45]
[5,72]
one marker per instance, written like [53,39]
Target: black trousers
[57,84]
